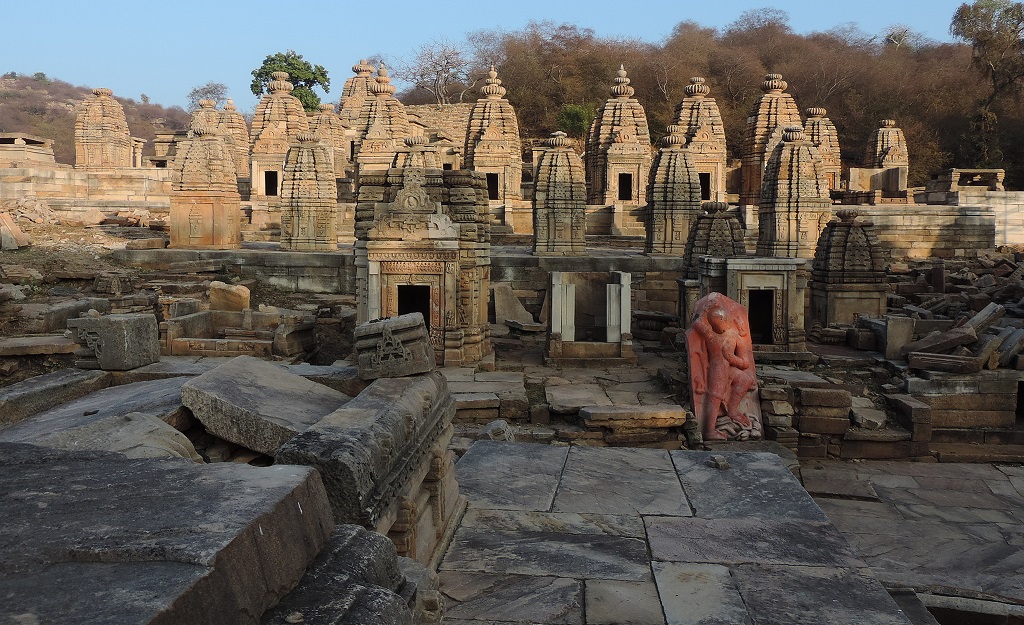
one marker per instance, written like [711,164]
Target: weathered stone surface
[570,398]
[618,142]
[309,193]
[868,418]
[228,296]
[698,594]
[563,522]
[355,580]
[507,306]
[611,602]
[663,415]
[94,537]
[34,345]
[512,598]
[511,476]
[814,595]
[791,542]
[772,112]
[43,392]
[611,481]
[368,448]
[205,203]
[675,196]
[394,347]
[255,404]
[101,133]
[559,200]
[116,342]
[834,398]
[756,485]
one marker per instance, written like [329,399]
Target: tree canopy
[216,91]
[303,74]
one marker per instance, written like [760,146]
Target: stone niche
[590,319]
[772,290]
[423,245]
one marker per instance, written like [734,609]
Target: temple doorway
[414,298]
[625,187]
[761,314]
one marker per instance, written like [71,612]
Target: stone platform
[646,536]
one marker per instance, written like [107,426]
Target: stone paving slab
[43,392]
[698,594]
[738,541]
[563,522]
[511,476]
[93,537]
[511,598]
[756,485]
[548,553]
[37,345]
[808,595]
[620,481]
[569,398]
[612,602]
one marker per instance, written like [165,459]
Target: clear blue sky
[166,49]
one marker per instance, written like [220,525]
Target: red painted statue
[722,376]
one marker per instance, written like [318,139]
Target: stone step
[954,452]
[37,345]
[43,392]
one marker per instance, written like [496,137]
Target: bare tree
[440,68]
[217,91]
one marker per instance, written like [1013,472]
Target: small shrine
[772,113]
[673,198]
[492,143]
[795,202]
[701,121]
[309,196]
[278,120]
[822,134]
[233,124]
[848,271]
[618,153]
[559,200]
[102,139]
[423,245]
[381,128]
[205,204]
[327,127]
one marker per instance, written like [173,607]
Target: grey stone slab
[611,602]
[839,487]
[509,377]
[499,388]
[736,541]
[698,594]
[510,476]
[807,595]
[756,485]
[955,514]
[620,481]
[548,553]
[569,398]
[982,498]
[512,598]
[157,398]
[91,537]
[253,403]
[474,401]
[43,392]
[561,522]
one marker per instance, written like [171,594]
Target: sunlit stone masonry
[423,245]
[559,200]
[278,120]
[328,128]
[701,120]
[492,142]
[309,196]
[848,271]
[101,133]
[355,92]
[772,113]
[822,134]
[673,200]
[205,203]
[795,203]
[381,128]
[233,124]
[618,153]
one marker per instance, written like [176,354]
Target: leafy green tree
[574,119]
[303,74]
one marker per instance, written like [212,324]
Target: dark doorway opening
[492,187]
[270,182]
[761,313]
[1020,402]
[414,298]
[446,166]
[705,186]
[626,187]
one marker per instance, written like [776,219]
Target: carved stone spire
[233,125]
[492,144]
[309,195]
[701,120]
[559,200]
[621,88]
[673,197]
[101,133]
[493,89]
[612,165]
[887,147]
[716,232]
[773,111]
[823,135]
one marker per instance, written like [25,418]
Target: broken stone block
[507,306]
[116,342]
[34,345]
[832,397]
[868,418]
[228,296]
[11,236]
[256,404]
[394,347]
[498,430]
[152,243]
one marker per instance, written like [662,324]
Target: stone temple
[390,363]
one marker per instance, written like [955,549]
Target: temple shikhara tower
[232,124]
[701,121]
[492,142]
[559,200]
[205,204]
[355,92]
[101,133]
[381,128]
[278,120]
[822,134]
[774,111]
[618,151]
[795,203]
[673,198]
[328,128]
[848,271]
[309,193]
